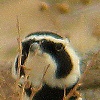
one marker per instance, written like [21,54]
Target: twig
[91,63]
[19,56]
[18,28]
[65,98]
[19,47]
[23,87]
[45,71]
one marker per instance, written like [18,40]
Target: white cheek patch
[38,64]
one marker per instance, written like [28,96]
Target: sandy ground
[81,24]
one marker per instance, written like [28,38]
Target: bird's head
[41,49]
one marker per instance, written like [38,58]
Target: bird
[48,49]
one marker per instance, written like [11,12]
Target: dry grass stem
[19,64]
[89,65]
[19,58]
[19,48]
[65,98]
[45,71]
[34,91]
[26,82]
[23,87]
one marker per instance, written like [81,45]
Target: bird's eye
[42,41]
[59,47]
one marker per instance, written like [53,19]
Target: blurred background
[79,20]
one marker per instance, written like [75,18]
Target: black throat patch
[60,56]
